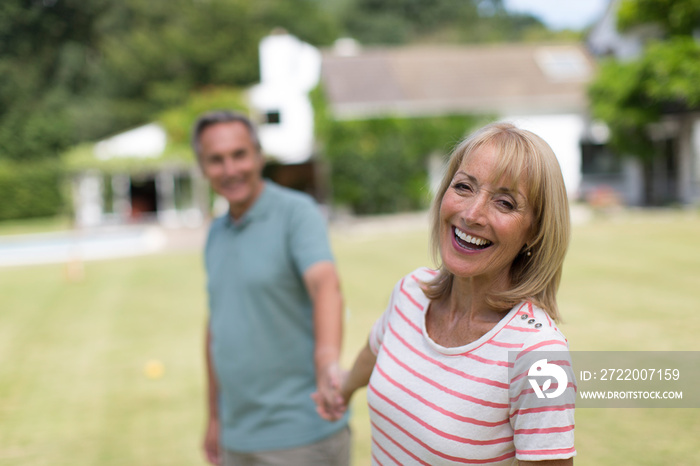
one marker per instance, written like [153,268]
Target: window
[563,63]
[598,159]
[272,117]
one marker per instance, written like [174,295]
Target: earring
[529,253]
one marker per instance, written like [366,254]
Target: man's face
[232,164]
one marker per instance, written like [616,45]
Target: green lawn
[73,354]
[35,225]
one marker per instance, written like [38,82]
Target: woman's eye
[462,187]
[506,204]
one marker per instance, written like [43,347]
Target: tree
[452,21]
[78,70]
[42,50]
[630,97]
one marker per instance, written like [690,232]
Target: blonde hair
[520,153]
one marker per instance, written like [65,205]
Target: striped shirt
[434,405]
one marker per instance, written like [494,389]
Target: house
[538,87]
[675,173]
[133,177]
[129,178]
[280,103]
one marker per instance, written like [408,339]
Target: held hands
[335,386]
[330,402]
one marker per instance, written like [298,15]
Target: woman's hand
[330,404]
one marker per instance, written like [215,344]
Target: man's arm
[211,446]
[321,280]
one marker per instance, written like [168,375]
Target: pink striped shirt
[435,405]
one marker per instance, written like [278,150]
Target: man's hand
[212,449]
[330,405]
[322,283]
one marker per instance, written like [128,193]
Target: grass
[35,225]
[73,353]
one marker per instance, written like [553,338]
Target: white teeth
[470,239]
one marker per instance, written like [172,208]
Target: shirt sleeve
[542,399]
[376,335]
[308,235]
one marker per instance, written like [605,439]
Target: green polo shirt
[262,324]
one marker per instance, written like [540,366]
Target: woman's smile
[486,222]
[469,242]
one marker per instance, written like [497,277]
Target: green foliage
[618,98]
[44,52]
[31,190]
[629,96]
[380,165]
[455,21]
[674,71]
[78,70]
[674,17]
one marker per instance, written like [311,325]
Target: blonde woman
[441,387]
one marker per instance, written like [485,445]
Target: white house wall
[87,198]
[287,62]
[290,141]
[289,70]
[563,133]
[694,162]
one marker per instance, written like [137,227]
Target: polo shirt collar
[260,208]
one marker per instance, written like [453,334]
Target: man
[275,327]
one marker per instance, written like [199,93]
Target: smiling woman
[443,385]
[484,222]
[518,174]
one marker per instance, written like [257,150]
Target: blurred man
[275,309]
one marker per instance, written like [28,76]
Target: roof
[148,141]
[433,80]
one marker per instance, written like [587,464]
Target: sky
[561,14]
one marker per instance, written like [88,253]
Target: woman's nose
[475,209]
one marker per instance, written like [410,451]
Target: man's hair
[522,155]
[221,116]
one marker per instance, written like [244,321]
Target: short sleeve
[308,235]
[542,399]
[376,335]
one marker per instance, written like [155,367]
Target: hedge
[381,165]
[31,190]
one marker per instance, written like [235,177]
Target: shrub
[381,165]
[31,190]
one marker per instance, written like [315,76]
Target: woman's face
[484,223]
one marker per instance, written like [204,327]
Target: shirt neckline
[258,210]
[454,350]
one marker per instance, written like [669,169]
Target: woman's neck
[468,298]
[463,316]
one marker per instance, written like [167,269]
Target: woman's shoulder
[536,327]
[422,274]
[411,286]
[415,280]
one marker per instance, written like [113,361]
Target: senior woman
[441,387]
